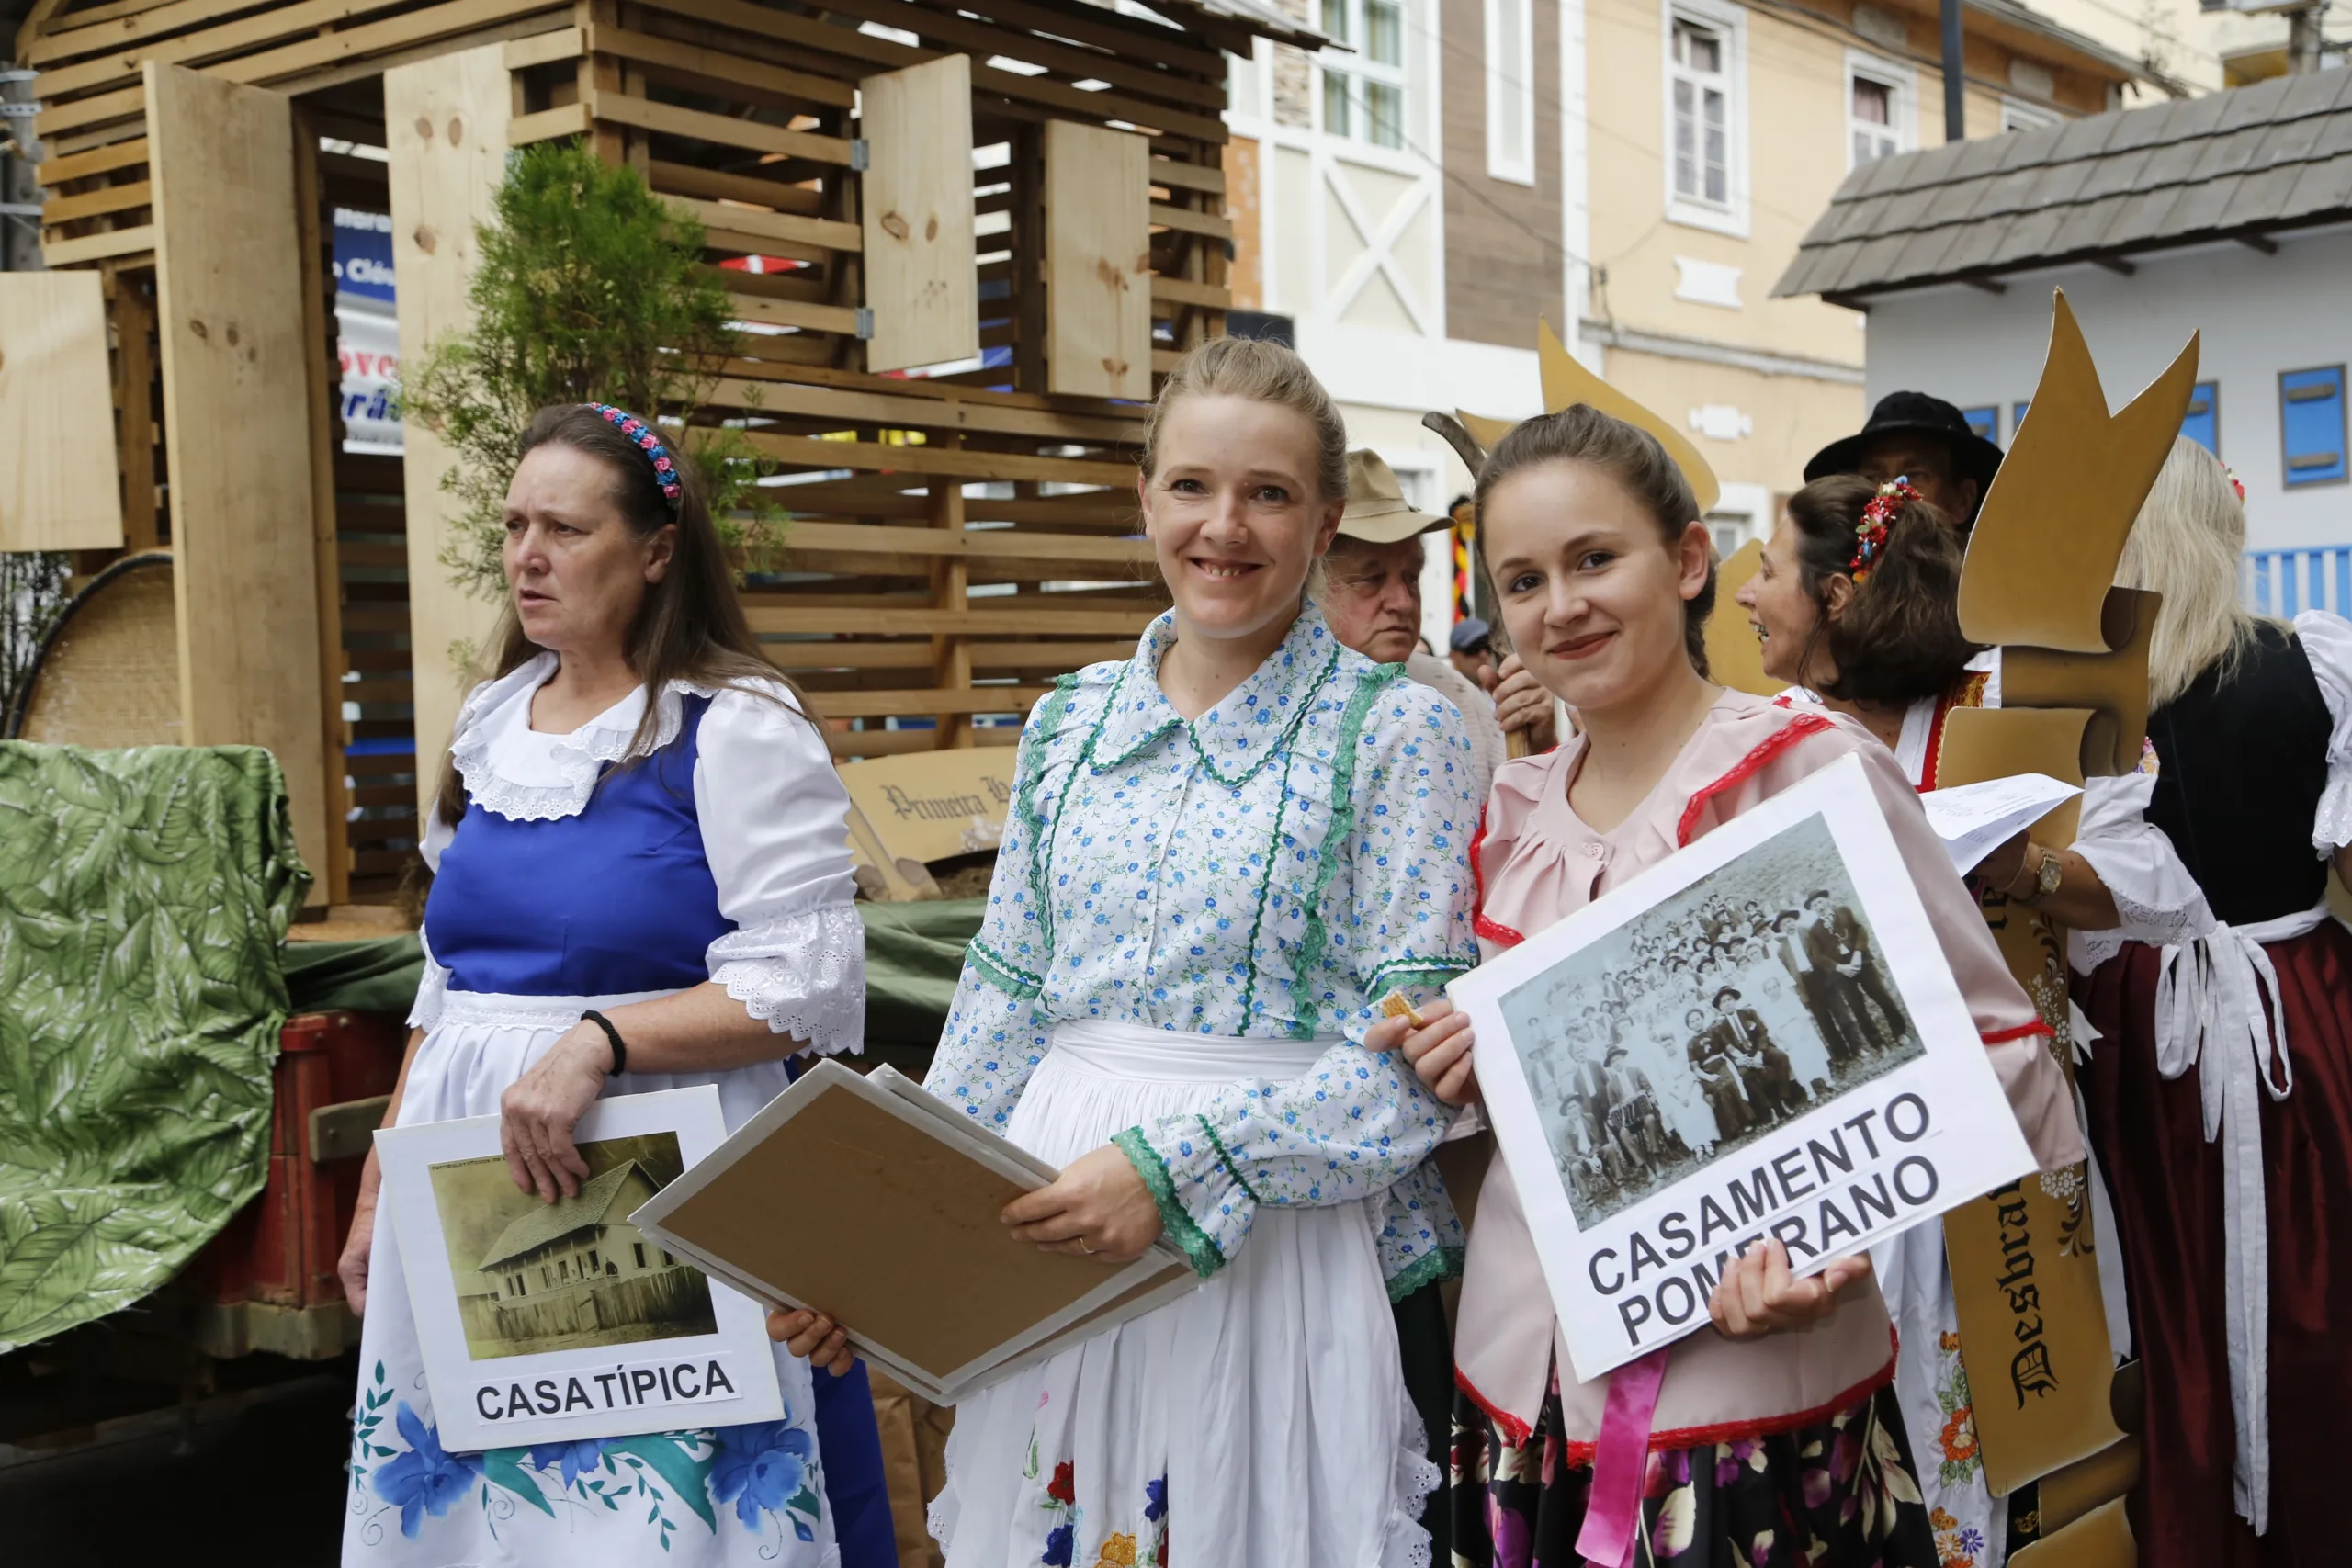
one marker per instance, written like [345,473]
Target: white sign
[1974,820]
[563,1322]
[1757,1037]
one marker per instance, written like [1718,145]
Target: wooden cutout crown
[2051,528]
[1565,381]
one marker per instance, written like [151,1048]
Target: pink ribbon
[1621,1462]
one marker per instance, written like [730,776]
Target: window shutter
[2310,425]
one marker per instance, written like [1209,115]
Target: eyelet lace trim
[432,989]
[804,974]
[2162,928]
[582,757]
[1408,1544]
[2332,826]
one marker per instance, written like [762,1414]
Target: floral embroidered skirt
[751,1496]
[1836,1494]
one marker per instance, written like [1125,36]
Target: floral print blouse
[1270,869]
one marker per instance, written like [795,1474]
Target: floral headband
[1869,533]
[665,470]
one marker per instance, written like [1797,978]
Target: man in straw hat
[1371,597]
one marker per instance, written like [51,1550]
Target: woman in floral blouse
[1221,853]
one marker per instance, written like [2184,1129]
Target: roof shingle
[2275,155]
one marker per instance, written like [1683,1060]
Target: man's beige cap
[1376,509]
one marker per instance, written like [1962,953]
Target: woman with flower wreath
[1773,1438]
[1221,853]
[642,882]
[1857,604]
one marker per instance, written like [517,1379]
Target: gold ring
[1083,1248]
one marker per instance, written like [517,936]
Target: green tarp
[143,896]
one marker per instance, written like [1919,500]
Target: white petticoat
[413,1506]
[1261,1418]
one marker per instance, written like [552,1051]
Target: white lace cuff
[804,974]
[2327,643]
[431,989]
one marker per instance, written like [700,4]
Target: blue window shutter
[2017,416]
[2310,425]
[1985,421]
[2202,423]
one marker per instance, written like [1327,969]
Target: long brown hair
[1635,459]
[1899,639]
[689,628]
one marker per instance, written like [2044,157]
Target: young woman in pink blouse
[1771,1439]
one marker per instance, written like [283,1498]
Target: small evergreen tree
[589,288]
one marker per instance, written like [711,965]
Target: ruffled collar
[1247,727]
[517,772]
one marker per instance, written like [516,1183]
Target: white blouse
[775,828]
[2327,643]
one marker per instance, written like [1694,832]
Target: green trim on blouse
[1198,1248]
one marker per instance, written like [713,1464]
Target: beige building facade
[1637,172]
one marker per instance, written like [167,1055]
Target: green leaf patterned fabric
[144,897]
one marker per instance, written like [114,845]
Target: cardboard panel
[932,804]
[236,378]
[1098,261]
[922,278]
[445,119]
[2113,685]
[56,415]
[2053,526]
[1734,658]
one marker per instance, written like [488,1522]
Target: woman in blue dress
[639,818]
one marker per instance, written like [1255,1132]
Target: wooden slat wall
[55,403]
[930,515]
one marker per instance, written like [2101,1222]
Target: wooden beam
[2115,264]
[99,247]
[446,121]
[2261,243]
[546,49]
[879,457]
[134,399]
[1058,656]
[765,81]
[921,249]
[548,124]
[237,396]
[987,544]
[667,120]
[776,614]
[847,407]
[1166,290]
[325,379]
[804,314]
[129,154]
[60,209]
[915,704]
[687,179]
[1097,256]
[781,228]
[1204,177]
[1186,222]
[221,40]
[846,743]
[35,23]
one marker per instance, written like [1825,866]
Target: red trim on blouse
[1514,1430]
[1491,931]
[1771,746]
[1969,693]
[2022,1032]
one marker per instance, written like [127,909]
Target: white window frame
[1730,21]
[1510,83]
[1901,85]
[1355,66]
[2017,115]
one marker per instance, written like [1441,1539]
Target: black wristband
[620,1052]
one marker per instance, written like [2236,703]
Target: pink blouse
[1535,862]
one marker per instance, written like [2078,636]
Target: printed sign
[564,1322]
[1755,1038]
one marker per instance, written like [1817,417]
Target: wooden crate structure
[964,240]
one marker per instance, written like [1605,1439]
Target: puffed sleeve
[433,985]
[997,1030]
[2014,1034]
[2158,901]
[776,828]
[1358,1122]
[2327,643]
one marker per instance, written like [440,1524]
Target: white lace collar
[519,773]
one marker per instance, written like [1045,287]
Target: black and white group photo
[1745,1000]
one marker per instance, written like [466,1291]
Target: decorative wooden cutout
[2053,526]
[923,279]
[1565,381]
[57,415]
[2100,1538]
[1734,658]
[1098,261]
[2114,685]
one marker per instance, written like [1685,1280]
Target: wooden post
[950,583]
[134,398]
[1027,174]
[445,122]
[325,388]
[237,383]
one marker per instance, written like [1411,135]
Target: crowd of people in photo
[1725,1020]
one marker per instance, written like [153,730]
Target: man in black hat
[1926,440]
